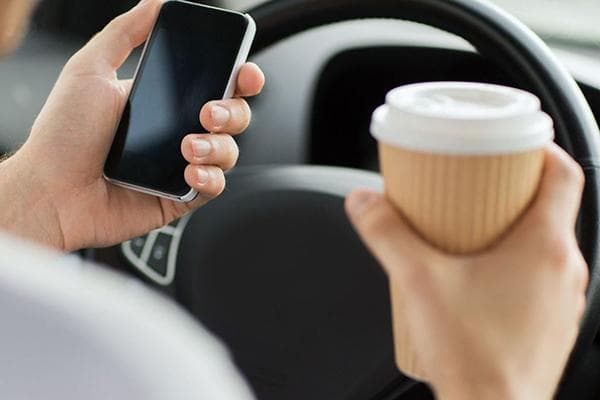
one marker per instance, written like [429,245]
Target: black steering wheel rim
[514,47]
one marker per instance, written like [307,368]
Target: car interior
[273,268]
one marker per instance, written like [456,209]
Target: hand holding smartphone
[192,56]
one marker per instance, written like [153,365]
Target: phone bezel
[241,58]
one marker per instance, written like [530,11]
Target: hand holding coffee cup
[461,162]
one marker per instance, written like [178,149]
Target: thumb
[393,242]
[108,50]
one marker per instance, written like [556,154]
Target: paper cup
[461,162]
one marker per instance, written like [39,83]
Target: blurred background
[60,27]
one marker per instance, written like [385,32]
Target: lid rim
[519,125]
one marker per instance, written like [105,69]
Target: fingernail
[359,202]
[203,176]
[201,147]
[220,116]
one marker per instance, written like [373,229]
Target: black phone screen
[187,62]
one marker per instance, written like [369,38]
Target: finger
[387,235]
[207,180]
[226,116]
[107,51]
[250,81]
[561,189]
[219,150]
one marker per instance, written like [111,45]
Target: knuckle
[541,220]
[417,277]
[577,175]
[376,225]
[572,172]
[71,64]
[582,274]
[76,60]
[581,307]
[558,252]
[116,24]
[372,222]
[121,28]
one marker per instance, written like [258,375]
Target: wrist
[465,391]
[25,211]
[498,389]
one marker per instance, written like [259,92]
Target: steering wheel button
[137,245]
[159,253]
[159,256]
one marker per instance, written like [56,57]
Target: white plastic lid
[462,118]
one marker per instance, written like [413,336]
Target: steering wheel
[297,298]
[501,38]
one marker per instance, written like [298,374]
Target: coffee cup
[461,162]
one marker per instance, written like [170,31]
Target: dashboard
[325,83]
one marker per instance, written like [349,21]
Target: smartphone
[192,56]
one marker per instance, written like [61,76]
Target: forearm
[23,209]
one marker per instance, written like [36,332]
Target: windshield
[561,20]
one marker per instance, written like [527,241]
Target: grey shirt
[71,330]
